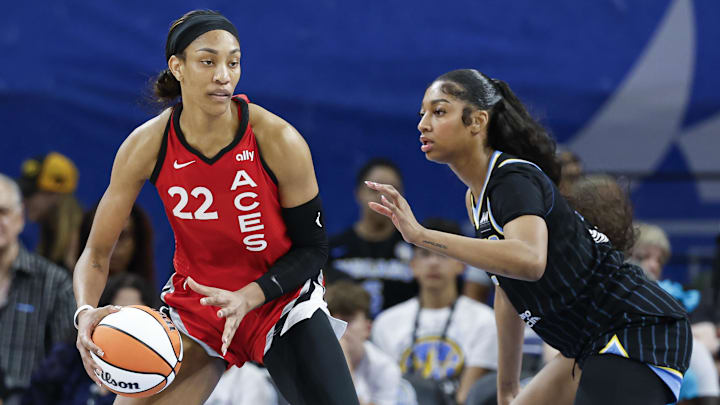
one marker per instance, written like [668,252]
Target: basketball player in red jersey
[239,190]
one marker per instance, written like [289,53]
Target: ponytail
[511,129]
[166,88]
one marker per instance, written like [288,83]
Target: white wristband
[77,312]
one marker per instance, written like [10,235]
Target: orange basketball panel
[126,352]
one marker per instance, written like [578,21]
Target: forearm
[510,339]
[89,277]
[469,376]
[291,271]
[309,251]
[511,258]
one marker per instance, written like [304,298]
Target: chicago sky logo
[433,357]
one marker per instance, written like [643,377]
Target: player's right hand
[87,321]
[394,206]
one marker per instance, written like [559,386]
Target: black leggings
[609,379]
[308,365]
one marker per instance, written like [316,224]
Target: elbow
[535,269]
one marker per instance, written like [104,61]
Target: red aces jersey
[226,216]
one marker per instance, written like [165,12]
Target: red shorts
[201,322]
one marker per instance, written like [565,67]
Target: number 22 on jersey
[249,221]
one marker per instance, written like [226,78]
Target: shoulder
[150,132]
[273,132]
[286,154]
[140,149]
[518,172]
[516,167]
[43,268]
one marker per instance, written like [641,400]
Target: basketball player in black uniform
[555,271]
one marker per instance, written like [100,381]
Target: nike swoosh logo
[317,220]
[181,165]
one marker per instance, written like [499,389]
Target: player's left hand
[234,305]
[395,207]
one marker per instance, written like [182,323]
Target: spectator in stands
[571,170]
[48,183]
[372,251]
[375,374]
[439,335]
[651,252]
[603,203]
[61,378]
[133,251]
[706,318]
[36,297]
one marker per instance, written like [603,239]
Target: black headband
[192,28]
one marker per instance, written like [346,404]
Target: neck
[356,354]
[8,254]
[471,168]
[373,227]
[438,298]
[195,122]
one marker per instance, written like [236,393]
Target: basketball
[143,351]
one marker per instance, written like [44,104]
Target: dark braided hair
[511,128]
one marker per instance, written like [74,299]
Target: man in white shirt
[439,334]
[376,376]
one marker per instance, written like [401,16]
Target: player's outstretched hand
[394,206]
[87,321]
[234,305]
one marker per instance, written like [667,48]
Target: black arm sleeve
[308,253]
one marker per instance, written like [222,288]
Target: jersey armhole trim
[163,151]
[265,165]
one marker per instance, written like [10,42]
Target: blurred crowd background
[628,88]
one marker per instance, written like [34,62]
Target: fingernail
[203,301]
[220,314]
[98,384]
[118,307]
[100,353]
[224,350]
[185,283]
